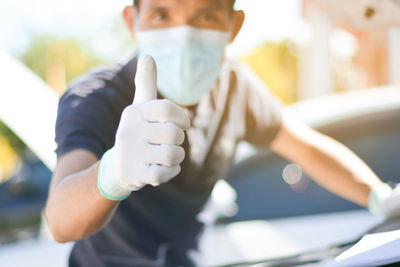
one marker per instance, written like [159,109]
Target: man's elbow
[59,238]
[61,231]
[60,235]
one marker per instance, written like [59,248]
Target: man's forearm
[335,167]
[75,208]
[328,162]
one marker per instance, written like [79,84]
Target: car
[28,109]
[368,122]
[22,199]
[27,113]
[260,214]
[272,198]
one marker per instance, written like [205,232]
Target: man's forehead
[222,4]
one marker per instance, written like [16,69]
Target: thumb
[145,80]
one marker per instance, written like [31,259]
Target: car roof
[320,111]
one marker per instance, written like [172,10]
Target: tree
[11,147]
[58,61]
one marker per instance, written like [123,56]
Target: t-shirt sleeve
[89,113]
[263,111]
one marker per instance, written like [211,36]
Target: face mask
[188,60]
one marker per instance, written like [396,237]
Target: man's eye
[160,16]
[208,17]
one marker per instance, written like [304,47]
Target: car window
[24,182]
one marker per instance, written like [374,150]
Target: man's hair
[136,2]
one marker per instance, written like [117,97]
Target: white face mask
[188,60]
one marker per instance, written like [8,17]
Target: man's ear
[238,19]
[129,14]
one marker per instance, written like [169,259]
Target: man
[131,178]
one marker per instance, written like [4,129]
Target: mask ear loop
[136,15]
[135,27]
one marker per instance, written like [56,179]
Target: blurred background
[298,48]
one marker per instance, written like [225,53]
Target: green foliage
[58,61]
[12,139]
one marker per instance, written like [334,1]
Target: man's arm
[85,192]
[75,208]
[328,162]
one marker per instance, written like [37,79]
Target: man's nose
[184,21]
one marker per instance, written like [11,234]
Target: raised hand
[147,147]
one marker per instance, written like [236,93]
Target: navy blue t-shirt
[158,226]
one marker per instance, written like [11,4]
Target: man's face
[205,14]
[189,63]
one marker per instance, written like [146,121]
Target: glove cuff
[106,180]
[377,197]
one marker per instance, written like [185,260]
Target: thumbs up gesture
[147,147]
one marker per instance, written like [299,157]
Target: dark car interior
[23,194]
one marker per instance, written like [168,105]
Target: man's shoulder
[231,64]
[102,91]
[241,77]
[95,75]
[239,70]
[115,78]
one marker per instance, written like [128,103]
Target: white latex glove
[147,147]
[385,201]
